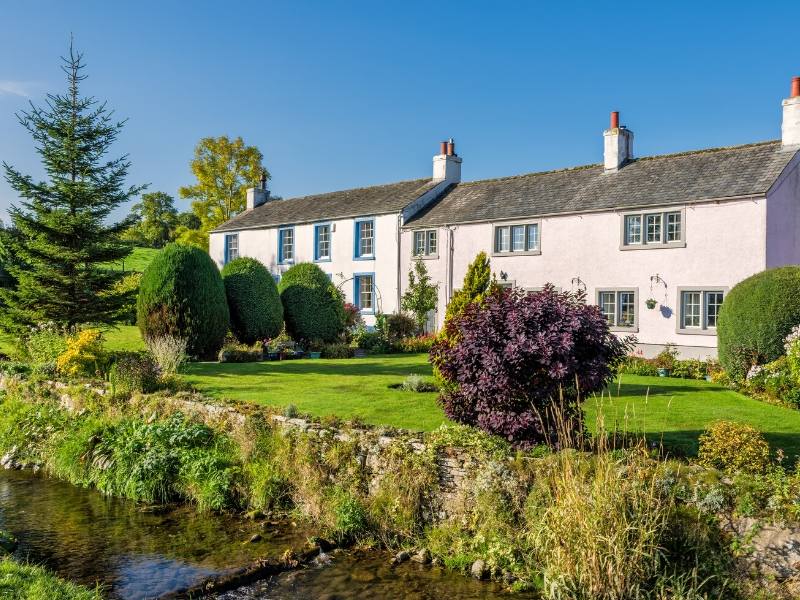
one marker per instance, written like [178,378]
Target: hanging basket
[650,303]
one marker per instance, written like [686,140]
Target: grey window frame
[617,306]
[525,241]
[426,243]
[643,215]
[703,290]
[228,238]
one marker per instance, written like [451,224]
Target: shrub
[337,351]
[182,296]
[84,354]
[253,300]
[734,447]
[168,351]
[476,284]
[755,318]
[312,306]
[422,343]
[44,343]
[519,359]
[134,372]
[128,287]
[667,357]
[689,369]
[400,326]
[417,383]
[372,341]
[638,365]
[241,353]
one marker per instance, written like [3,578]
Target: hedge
[253,300]
[312,306]
[756,316]
[182,295]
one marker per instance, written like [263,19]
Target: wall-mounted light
[578,283]
[503,275]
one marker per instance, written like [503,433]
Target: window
[286,245]
[699,309]
[652,230]
[619,307]
[364,291]
[322,242]
[365,239]
[516,239]
[426,243]
[231,247]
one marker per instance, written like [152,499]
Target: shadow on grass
[344,368]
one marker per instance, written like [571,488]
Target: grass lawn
[356,387]
[137,261]
[125,337]
[673,410]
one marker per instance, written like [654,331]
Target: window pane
[627,309]
[691,309]
[608,306]
[365,238]
[502,239]
[323,241]
[232,244]
[432,247]
[518,238]
[713,302]
[287,244]
[653,229]
[633,229]
[419,243]
[365,292]
[674,227]
[533,237]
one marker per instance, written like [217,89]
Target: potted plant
[315,349]
[650,303]
[665,361]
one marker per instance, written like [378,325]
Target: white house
[677,229]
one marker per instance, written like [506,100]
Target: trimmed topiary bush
[755,318]
[516,364]
[253,300]
[312,306]
[182,296]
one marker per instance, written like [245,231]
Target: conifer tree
[62,236]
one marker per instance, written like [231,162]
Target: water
[369,576]
[89,538]
[138,554]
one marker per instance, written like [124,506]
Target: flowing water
[137,553]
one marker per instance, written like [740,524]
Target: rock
[775,550]
[479,570]
[322,560]
[8,543]
[423,556]
[508,578]
[9,460]
[256,537]
[254,515]
[400,557]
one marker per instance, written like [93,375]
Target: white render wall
[262,244]
[725,243]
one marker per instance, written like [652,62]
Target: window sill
[652,246]
[521,253]
[322,260]
[615,329]
[286,262]
[369,257]
[425,256]
[698,331]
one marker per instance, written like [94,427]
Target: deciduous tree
[421,296]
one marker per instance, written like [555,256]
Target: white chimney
[447,164]
[790,128]
[258,196]
[617,145]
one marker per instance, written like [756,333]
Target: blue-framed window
[364,292]
[286,245]
[322,242]
[364,247]
[231,247]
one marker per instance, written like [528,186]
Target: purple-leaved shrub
[521,362]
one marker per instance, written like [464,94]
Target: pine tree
[476,284]
[61,236]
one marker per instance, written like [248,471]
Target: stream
[137,553]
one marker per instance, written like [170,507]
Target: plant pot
[315,355]
[651,304]
[708,378]
[664,372]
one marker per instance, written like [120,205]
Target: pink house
[655,241]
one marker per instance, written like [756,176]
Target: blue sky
[349,94]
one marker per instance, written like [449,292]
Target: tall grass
[29,582]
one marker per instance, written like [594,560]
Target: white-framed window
[619,307]
[286,245]
[653,229]
[365,239]
[426,243]
[231,247]
[322,242]
[699,309]
[522,238]
[364,291]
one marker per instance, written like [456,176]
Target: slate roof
[657,180]
[375,200]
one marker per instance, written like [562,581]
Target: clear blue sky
[349,94]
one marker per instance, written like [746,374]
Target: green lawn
[124,337]
[674,411]
[136,261]
[356,387]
